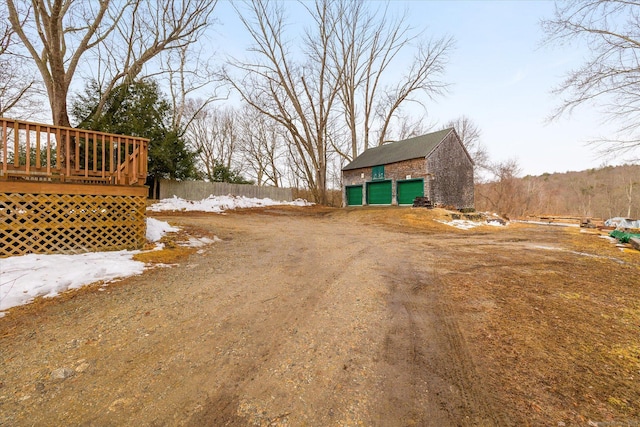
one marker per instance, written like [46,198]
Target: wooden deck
[66,190]
[45,153]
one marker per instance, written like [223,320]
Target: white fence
[198,190]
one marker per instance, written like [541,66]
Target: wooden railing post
[16,145]
[27,150]
[5,148]
[49,152]
[59,146]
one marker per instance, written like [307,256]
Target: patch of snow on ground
[156,229]
[608,238]
[553,248]
[23,278]
[198,242]
[547,248]
[462,224]
[465,224]
[219,204]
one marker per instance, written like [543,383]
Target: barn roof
[412,148]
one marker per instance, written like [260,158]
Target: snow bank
[219,204]
[22,278]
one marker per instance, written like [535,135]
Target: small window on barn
[378,172]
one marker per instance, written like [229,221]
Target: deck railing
[39,152]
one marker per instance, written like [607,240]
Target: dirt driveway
[319,317]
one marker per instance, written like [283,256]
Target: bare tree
[408,126]
[584,190]
[502,193]
[122,36]
[189,72]
[366,46]
[213,134]
[530,197]
[262,144]
[18,85]
[339,96]
[629,181]
[470,135]
[297,95]
[610,76]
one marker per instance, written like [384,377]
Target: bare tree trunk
[58,101]
[298,96]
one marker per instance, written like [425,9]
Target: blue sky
[501,77]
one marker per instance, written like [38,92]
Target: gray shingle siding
[451,173]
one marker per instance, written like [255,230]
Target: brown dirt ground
[321,317]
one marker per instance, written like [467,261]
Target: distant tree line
[604,192]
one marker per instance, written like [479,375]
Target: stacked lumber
[585,222]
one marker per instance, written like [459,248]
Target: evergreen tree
[139,109]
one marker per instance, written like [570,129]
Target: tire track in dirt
[425,348]
[243,401]
[459,368]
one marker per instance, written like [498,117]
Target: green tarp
[623,236]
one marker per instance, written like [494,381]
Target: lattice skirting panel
[70,223]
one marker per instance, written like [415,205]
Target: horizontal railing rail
[39,152]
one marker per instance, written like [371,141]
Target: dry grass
[168,255]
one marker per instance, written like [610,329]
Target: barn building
[435,165]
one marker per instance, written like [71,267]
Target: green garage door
[409,190]
[354,195]
[379,193]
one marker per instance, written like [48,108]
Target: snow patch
[198,242]
[585,254]
[219,204]
[23,278]
[465,224]
[156,229]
